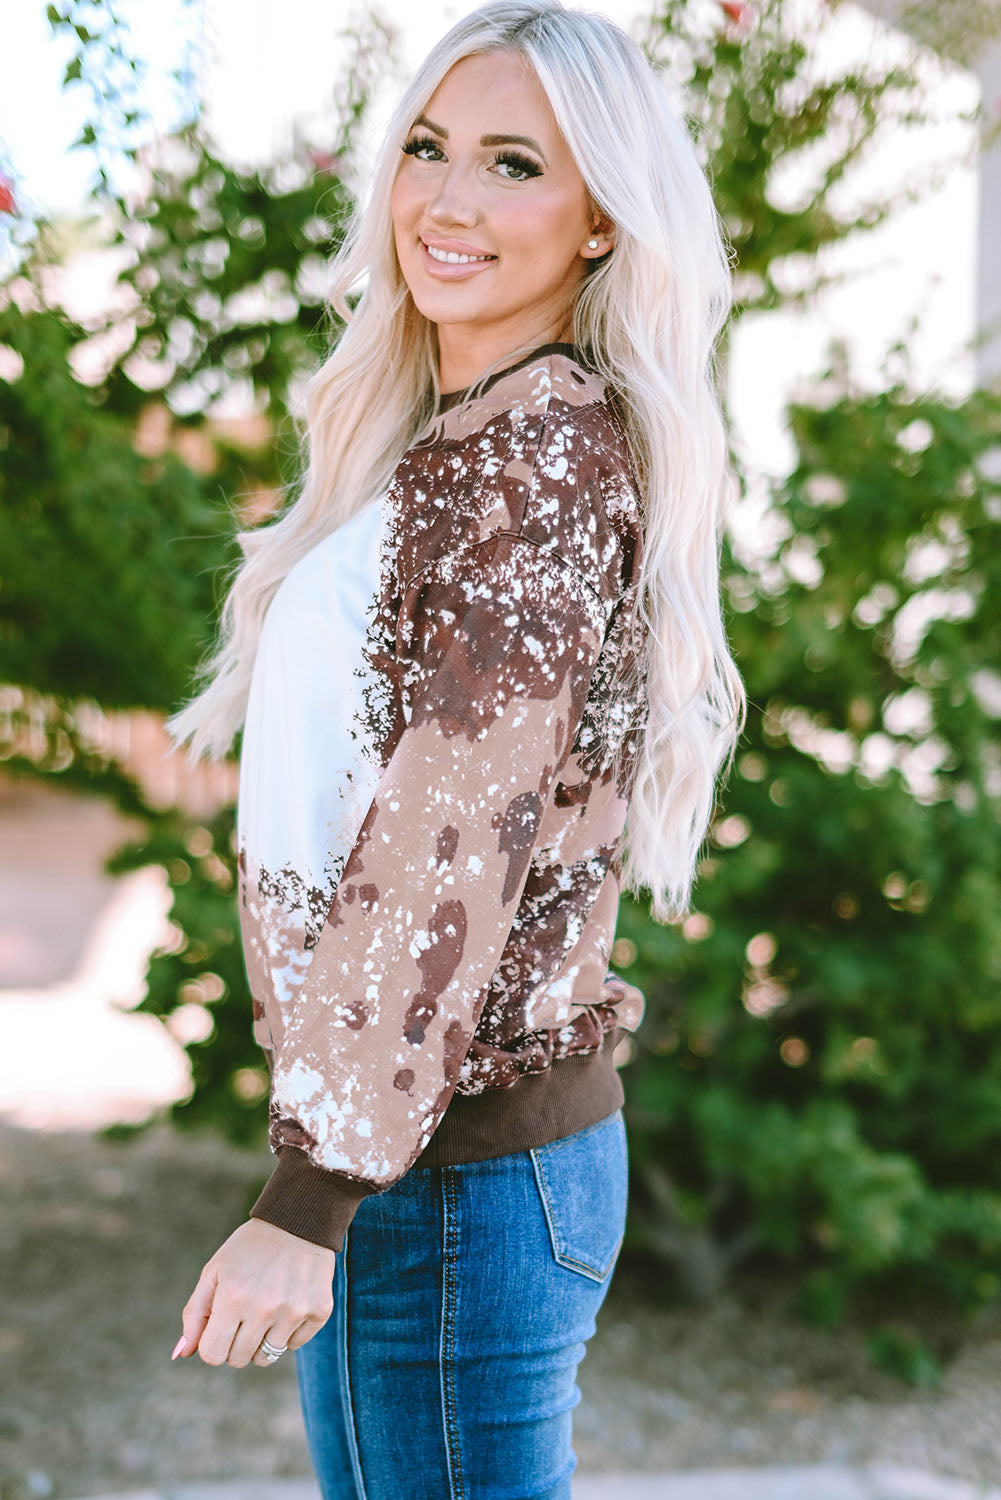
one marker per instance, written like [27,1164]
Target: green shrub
[821,1059]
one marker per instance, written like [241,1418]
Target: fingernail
[179,1347]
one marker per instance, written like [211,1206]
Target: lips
[455,247]
[456,257]
[456,269]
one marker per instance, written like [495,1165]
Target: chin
[450,305]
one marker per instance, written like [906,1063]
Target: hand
[262,1283]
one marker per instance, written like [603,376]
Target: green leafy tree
[109,590]
[780,132]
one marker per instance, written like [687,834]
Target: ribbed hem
[309,1201]
[571,1094]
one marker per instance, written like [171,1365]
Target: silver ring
[271,1352]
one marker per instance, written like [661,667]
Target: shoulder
[552,386]
[540,453]
[523,411]
[581,499]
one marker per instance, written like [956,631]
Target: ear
[603,231]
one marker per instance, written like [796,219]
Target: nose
[455,199]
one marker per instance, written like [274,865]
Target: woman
[483,644]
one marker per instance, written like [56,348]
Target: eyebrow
[485,140]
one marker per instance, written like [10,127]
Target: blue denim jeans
[463,1299]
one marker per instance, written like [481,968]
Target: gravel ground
[101,1242]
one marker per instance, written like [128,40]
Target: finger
[222,1327]
[197,1310]
[307,1329]
[300,1335]
[247,1344]
[277,1337]
[301,1329]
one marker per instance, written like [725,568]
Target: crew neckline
[448,399]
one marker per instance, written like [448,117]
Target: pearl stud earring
[592,244]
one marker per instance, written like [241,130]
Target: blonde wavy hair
[649,313]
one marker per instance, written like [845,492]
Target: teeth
[452,257]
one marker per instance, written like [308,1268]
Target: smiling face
[491,216]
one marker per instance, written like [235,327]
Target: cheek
[544,227]
[401,203]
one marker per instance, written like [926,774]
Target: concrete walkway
[816,1482]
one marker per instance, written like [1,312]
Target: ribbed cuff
[309,1201]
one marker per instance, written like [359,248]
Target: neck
[464,354]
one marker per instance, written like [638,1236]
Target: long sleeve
[497,641]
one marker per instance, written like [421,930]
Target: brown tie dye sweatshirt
[436,766]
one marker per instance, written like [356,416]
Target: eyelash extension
[418,143]
[508,158]
[522,163]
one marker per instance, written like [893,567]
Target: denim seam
[349,1411]
[449,1281]
[560,1254]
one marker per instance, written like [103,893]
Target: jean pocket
[583,1183]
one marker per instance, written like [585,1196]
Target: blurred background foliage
[817,1084]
